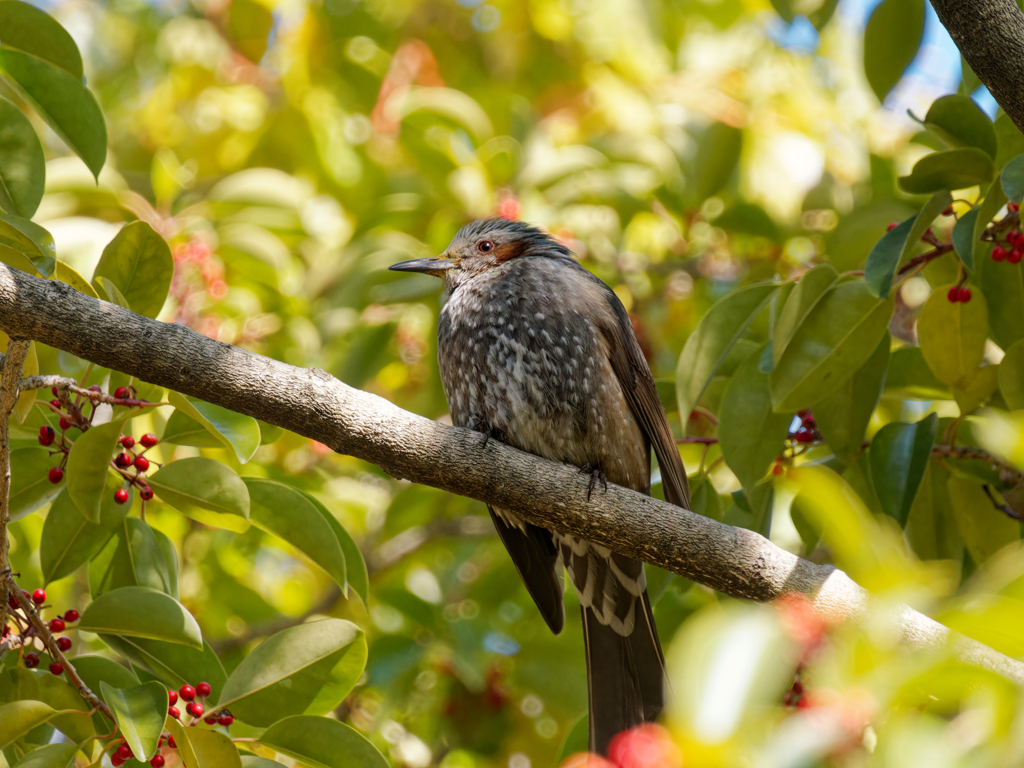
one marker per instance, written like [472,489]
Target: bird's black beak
[434,265]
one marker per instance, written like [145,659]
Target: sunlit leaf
[204,748]
[843,416]
[22,165]
[959,121]
[138,262]
[172,663]
[1011,376]
[49,756]
[891,39]
[69,540]
[28,29]
[899,456]
[237,432]
[141,612]
[948,170]
[19,717]
[984,529]
[31,239]
[89,472]
[206,490]
[953,335]
[30,486]
[322,743]
[140,713]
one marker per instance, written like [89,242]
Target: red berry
[55,403]
[122,460]
[46,435]
[892,226]
[54,390]
[174,712]
[187,692]
[948,211]
[148,440]
[157,761]
[1014,237]
[965,295]
[123,750]
[998,253]
[195,709]
[127,441]
[71,616]
[96,388]
[141,463]
[56,474]
[39,596]
[225,720]
[12,602]
[953,295]
[56,669]
[798,687]
[64,643]
[172,697]
[1012,207]
[203,689]
[1015,255]
[171,743]
[65,423]
[57,625]
[146,493]
[805,436]
[777,469]
[120,495]
[31,660]
[210,719]
[121,393]
[804,703]
[117,761]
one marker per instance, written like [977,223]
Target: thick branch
[310,402]
[990,35]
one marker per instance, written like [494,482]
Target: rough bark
[312,403]
[990,35]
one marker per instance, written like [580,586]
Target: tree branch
[990,35]
[10,374]
[312,403]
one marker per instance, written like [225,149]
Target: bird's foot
[489,432]
[596,476]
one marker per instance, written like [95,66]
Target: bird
[536,351]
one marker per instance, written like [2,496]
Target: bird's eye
[484,246]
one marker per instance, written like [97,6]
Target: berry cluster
[1013,250]
[123,753]
[27,633]
[959,293]
[196,709]
[807,432]
[795,696]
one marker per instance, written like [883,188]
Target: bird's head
[482,245]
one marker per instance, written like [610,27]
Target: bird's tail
[625,675]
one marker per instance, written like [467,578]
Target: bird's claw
[596,476]
[489,432]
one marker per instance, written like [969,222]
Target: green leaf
[705,499]
[66,274]
[931,527]
[20,717]
[172,663]
[205,490]
[859,230]
[30,485]
[51,755]
[802,299]
[994,199]
[1002,284]
[836,338]
[896,246]
[980,386]
[28,29]
[63,102]
[285,512]
[140,713]
[305,670]
[69,540]
[139,262]
[135,560]
[909,377]
[239,433]
[112,292]
[355,566]
[1012,179]
[1011,140]
[254,761]
[818,12]
[963,237]
[249,24]
[891,39]
[201,748]
[88,471]
[716,334]
[22,165]
[960,122]
[141,612]
[748,219]
[31,239]
[170,554]
[69,705]
[182,429]
[1011,376]
[952,336]
[322,743]
[99,669]
[899,456]
[751,435]
[718,153]
[984,529]
[844,415]
[948,170]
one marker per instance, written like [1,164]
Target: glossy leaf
[63,102]
[948,170]
[355,566]
[899,456]
[980,386]
[30,485]
[285,512]
[897,245]
[38,685]
[959,121]
[1011,376]
[49,756]
[66,274]
[170,555]
[203,748]
[802,299]
[994,199]
[891,39]
[963,237]
[322,743]
[205,490]
[307,669]
[182,429]
[1012,179]
[89,476]
[1002,284]
[751,435]
[984,529]
[28,29]
[172,663]
[716,334]
[22,165]
[141,612]
[254,761]
[31,239]
[138,261]
[843,416]
[132,559]
[69,541]
[19,717]
[836,338]
[239,433]
[140,713]
[931,525]
[112,292]
[910,377]
[95,670]
[952,336]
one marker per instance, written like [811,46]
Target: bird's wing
[635,377]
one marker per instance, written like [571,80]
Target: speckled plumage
[536,351]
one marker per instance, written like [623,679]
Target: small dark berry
[225,720]
[141,463]
[803,703]
[148,440]
[798,687]
[64,643]
[117,761]
[174,712]
[124,751]
[56,669]
[121,393]
[172,697]
[54,390]
[46,435]
[55,403]
[187,692]
[805,436]
[953,295]
[96,388]
[12,602]
[1012,207]
[66,423]
[122,460]
[171,743]
[57,625]
[1015,255]
[127,441]
[964,295]
[71,616]
[31,660]
[203,689]
[157,761]
[120,495]
[892,226]
[998,253]
[948,211]
[146,493]
[39,596]
[1014,237]
[210,719]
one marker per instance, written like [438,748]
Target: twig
[10,373]
[1004,508]
[1007,474]
[70,385]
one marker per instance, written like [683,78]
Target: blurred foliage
[289,152]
